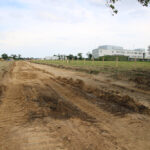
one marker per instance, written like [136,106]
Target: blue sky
[41,28]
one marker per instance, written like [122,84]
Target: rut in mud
[44,108]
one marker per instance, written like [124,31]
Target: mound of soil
[142,82]
[117,103]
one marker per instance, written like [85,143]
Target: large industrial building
[110,50]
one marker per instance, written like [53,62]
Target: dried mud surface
[47,108]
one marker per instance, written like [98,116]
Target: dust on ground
[47,108]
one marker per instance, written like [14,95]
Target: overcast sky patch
[41,28]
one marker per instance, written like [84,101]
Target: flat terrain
[48,108]
[138,72]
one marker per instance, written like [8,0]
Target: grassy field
[100,66]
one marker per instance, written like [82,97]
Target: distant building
[51,58]
[110,50]
[148,55]
[56,57]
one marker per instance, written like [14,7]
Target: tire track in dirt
[119,129]
[41,112]
[29,121]
[102,82]
[15,128]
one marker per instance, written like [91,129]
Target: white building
[51,58]
[110,50]
[58,57]
[147,55]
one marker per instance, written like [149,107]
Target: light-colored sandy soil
[46,108]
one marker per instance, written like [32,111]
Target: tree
[75,57]
[14,56]
[89,55]
[70,57]
[111,3]
[59,56]
[5,56]
[19,56]
[80,56]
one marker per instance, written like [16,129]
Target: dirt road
[46,108]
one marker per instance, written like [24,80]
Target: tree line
[79,56]
[13,56]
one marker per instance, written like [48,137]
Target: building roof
[110,47]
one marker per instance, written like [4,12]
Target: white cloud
[46,27]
